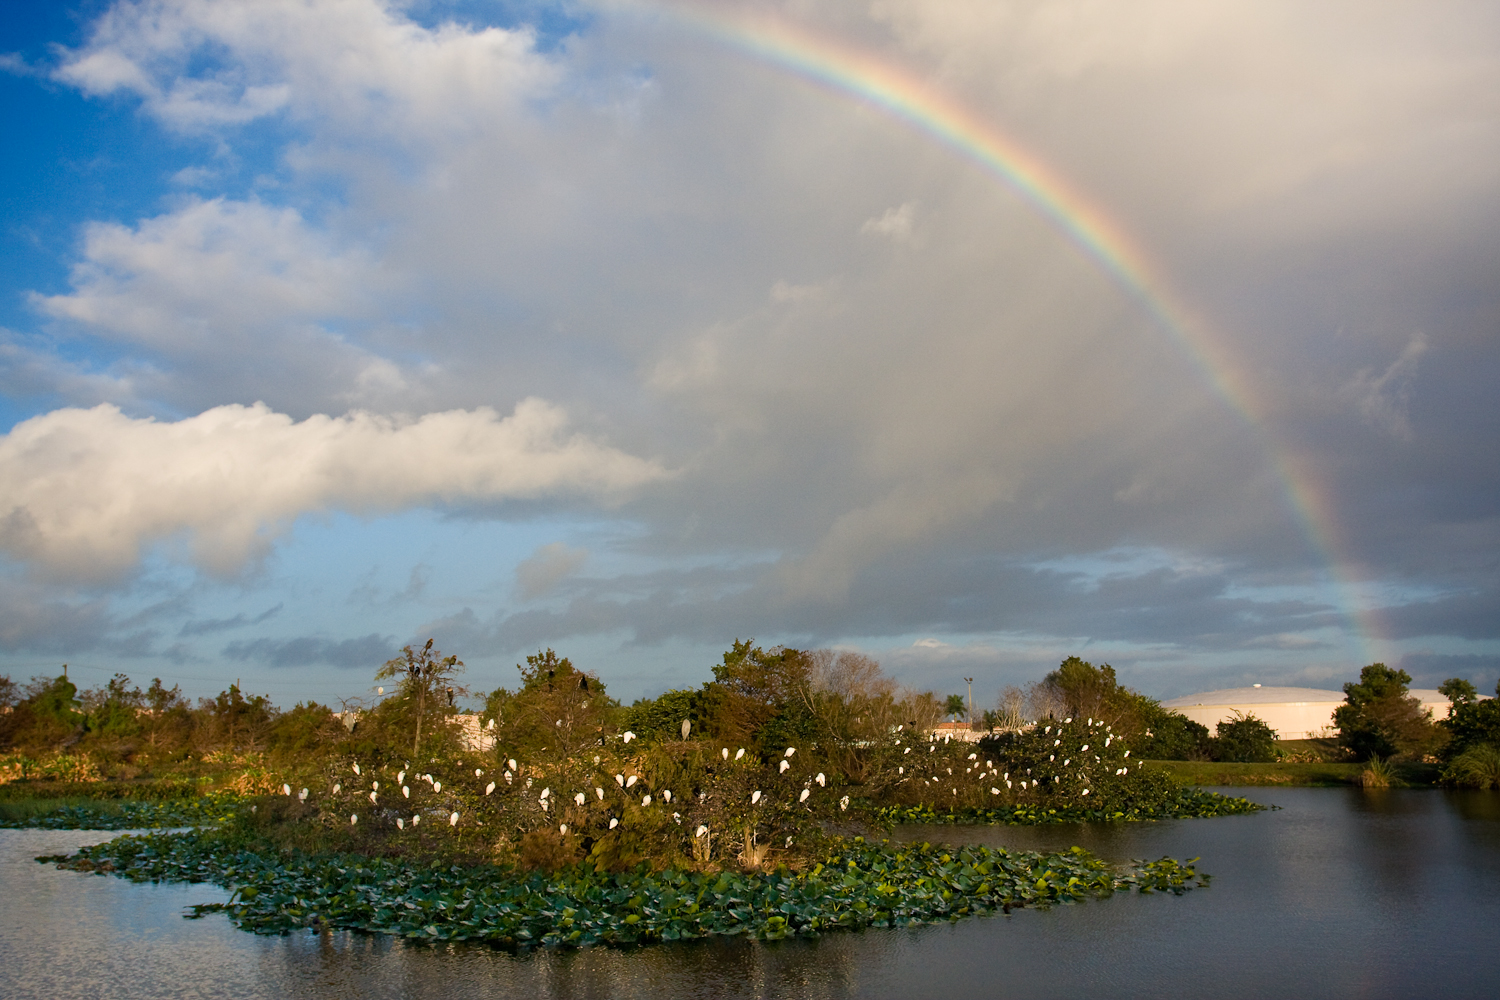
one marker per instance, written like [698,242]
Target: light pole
[970,682]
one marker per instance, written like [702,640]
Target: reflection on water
[1342,893]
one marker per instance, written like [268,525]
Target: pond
[1340,893]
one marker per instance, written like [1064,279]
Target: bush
[1476,767]
[1379,719]
[1244,739]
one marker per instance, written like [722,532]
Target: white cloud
[545,568]
[82,492]
[202,63]
[894,223]
[1382,400]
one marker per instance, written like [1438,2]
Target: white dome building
[1295,713]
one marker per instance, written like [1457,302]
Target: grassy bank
[76,812]
[858,885]
[1192,772]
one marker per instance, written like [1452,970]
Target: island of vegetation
[554,815]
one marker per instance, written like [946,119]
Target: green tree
[1169,735]
[424,674]
[1379,718]
[1471,722]
[954,705]
[1244,739]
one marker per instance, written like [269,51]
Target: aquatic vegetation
[121,814]
[1476,767]
[858,885]
[1188,803]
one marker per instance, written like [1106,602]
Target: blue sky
[328,327]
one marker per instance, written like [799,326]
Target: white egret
[400,777]
[375,785]
[755,797]
[613,822]
[844,803]
[789,841]
[353,818]
[700,831]
[546,792]
[415,819]
[478,773]
[678,818]
[437,786]
[512,763]
[302,795]
[900,770]
[1068,719]
[406,791]
[725,752]
[790,751]
[1085,791]
[630,781]
[739,753]
[628,736]
[1127,753]
[380,690]
[356,768]
[490,724]
[687,727]
[599,792]
[994,790]
[821,779]
[336,787]
[562,828]
[580,798]
[646,800]
[286,789]
[453,820]
[784,765]
[973,756]
[805,793]
[620,780]
[1085,748]
[489,788]
[907,750]
[372,797]
[400,823]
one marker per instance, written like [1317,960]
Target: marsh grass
[1476,767]
[1377,773]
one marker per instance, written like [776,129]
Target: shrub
[1244,739]
[1476,767]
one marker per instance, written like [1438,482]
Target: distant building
[472,732]
[1295,713]
[956,731]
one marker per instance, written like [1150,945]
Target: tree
[1379,718]
[954,706]
[1171,735]
[1244,739]
[422,672]
[1471,723]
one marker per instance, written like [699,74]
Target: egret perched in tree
[406,790]
[453,820]
[562,828]
[805,793]
[354,818]
[821,779]
[286,789]
[687,727]
[613,822]
[302,795]
[754,797]
[400,823]
[630,781]
[666,795]
[336,787]
[790,751]
[700,831]
[739,753]
[646,800]
[489,788]
[844,803]
[725,752]
[599,792]
[627,736]
[416,818]
[784,765]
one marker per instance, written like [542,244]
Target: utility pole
[970,682]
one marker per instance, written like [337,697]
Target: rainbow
[852,74]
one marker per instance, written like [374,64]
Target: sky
[969,334]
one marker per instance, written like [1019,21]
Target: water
[1342,893]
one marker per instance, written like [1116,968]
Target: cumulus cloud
[545,568]
[360,63]
[83,491]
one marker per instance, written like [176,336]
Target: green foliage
[119,814]
[1169,735]
[1478,766]
[1185,803]
[1379,718]
[660,719]
[858,885]
[955,706]
[1458,690]
[1471,722]
[1244,739]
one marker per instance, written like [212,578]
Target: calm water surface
[1341,893]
